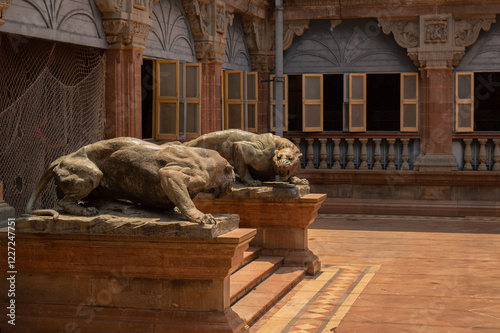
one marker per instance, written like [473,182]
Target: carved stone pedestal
[280,212]
[125,274]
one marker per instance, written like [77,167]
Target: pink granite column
[123,93]
[436,110]
[263,104]
[211,112]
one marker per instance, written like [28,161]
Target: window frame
[194,100]
[158,100]
[464,101]
[353,101]
[409,101]
[252,101]
[306,102]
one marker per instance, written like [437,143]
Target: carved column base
[436,162]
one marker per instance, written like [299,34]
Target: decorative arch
[170,36]
[484,54]
[349,47]
[236,55]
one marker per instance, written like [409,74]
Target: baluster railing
[322,155]
[310,154]
[350,154]
[496,155]
[482,155]
[364,154]
[336,154]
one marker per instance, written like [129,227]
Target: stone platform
[280,212]
[126,270]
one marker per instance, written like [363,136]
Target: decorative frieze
[4,5]
[436,31]
[126,23]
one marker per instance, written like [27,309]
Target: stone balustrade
[362,153]
[479,153]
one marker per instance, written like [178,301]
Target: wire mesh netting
[51,104]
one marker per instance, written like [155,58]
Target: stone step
[247,277]
[266,294]
[249,255]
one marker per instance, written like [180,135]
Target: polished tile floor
[396,274]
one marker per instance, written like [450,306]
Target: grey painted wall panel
[170,36]
[236,55]
[484,54]
[353,46]
[70,21]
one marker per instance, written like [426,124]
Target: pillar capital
[209,21]
[126,22]
[436,41]
[4,5]
[260,40]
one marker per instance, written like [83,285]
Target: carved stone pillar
[482,155]
[405,155]
[364,154]
[377,155]
[496,155]
[436,43]
[310,154]
[336,154]
[209,21]
[211,97]
[123,93]
[4,5]
[350,154]
[390,155]
[467,155]
[322,155]
[127,25]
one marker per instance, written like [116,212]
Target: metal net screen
[51,104]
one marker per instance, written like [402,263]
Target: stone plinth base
[435,162]
[110,274]
[281,222]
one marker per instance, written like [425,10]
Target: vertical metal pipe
[279,68]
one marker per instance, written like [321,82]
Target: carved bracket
[467,29]
[405,31]
[292,29]
[436,41]
[260,38]
[209,21]
[127,24]
[4,5]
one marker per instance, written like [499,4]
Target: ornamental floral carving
[467,29]
[198,16]
[209,21]
[121,30]
[405,31]
[436,31]
[4,5]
